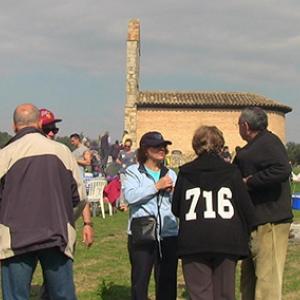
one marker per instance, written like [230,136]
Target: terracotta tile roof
[208,100]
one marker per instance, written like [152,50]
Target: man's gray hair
[256,118]
[26,114]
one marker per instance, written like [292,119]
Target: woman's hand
[164,183]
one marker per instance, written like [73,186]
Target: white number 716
[224,207]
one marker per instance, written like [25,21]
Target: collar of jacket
[207,161]
[259,134]
[163,171]
[22,132]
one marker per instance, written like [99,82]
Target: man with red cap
[48,124]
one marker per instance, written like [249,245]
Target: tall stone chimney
[132,77]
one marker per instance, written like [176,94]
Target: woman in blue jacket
[148,188]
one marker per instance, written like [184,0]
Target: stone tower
[132,77]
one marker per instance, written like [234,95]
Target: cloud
[90,34]
[250,43]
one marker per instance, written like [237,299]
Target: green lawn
[295,187]
[296,169]
[102,272]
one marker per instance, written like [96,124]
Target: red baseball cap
[47,117]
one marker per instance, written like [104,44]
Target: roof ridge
[208,99]
[200,92]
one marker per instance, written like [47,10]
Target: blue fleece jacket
[141,195]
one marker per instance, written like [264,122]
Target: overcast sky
[69,55]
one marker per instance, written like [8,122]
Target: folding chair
[95,195]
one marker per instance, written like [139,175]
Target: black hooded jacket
[214,209]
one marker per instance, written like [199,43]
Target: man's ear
[40,124]
[14,127]
[247,126]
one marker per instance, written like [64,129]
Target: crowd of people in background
[215,211]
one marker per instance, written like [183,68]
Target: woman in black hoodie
[216,216]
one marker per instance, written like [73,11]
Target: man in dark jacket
[40,186]
[266,170]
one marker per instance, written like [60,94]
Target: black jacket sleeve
[274,168]
[244,202]
[177,196]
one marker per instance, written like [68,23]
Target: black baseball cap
[153,139]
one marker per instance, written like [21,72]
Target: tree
[293,151]
[66,141]
[4,138]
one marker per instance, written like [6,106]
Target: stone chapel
[177,114]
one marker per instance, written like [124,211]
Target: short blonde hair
[208,139]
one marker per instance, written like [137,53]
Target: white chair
[95,189]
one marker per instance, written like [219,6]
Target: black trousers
[210,278]
[143,259]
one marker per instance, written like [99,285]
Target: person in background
[96,164]
[48,122]
[226,154]
[147,189]
[266,171]
[85,142]
[236,150]
[49,128]
[125,136]
[126,158]
[105,149]
[39,188]
[115,150]
[216,216]
[81,153]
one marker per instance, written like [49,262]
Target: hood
[209,169]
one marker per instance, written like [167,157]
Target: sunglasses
[49,129]
[127,146]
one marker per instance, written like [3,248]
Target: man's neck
[20,127]
[252,136]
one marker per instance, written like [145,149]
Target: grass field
[103,271]
[295,187]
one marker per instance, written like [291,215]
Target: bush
[293,151]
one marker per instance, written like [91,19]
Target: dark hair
[141,154]
[208,139]
[128,141]
[76,136]
[256,118]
